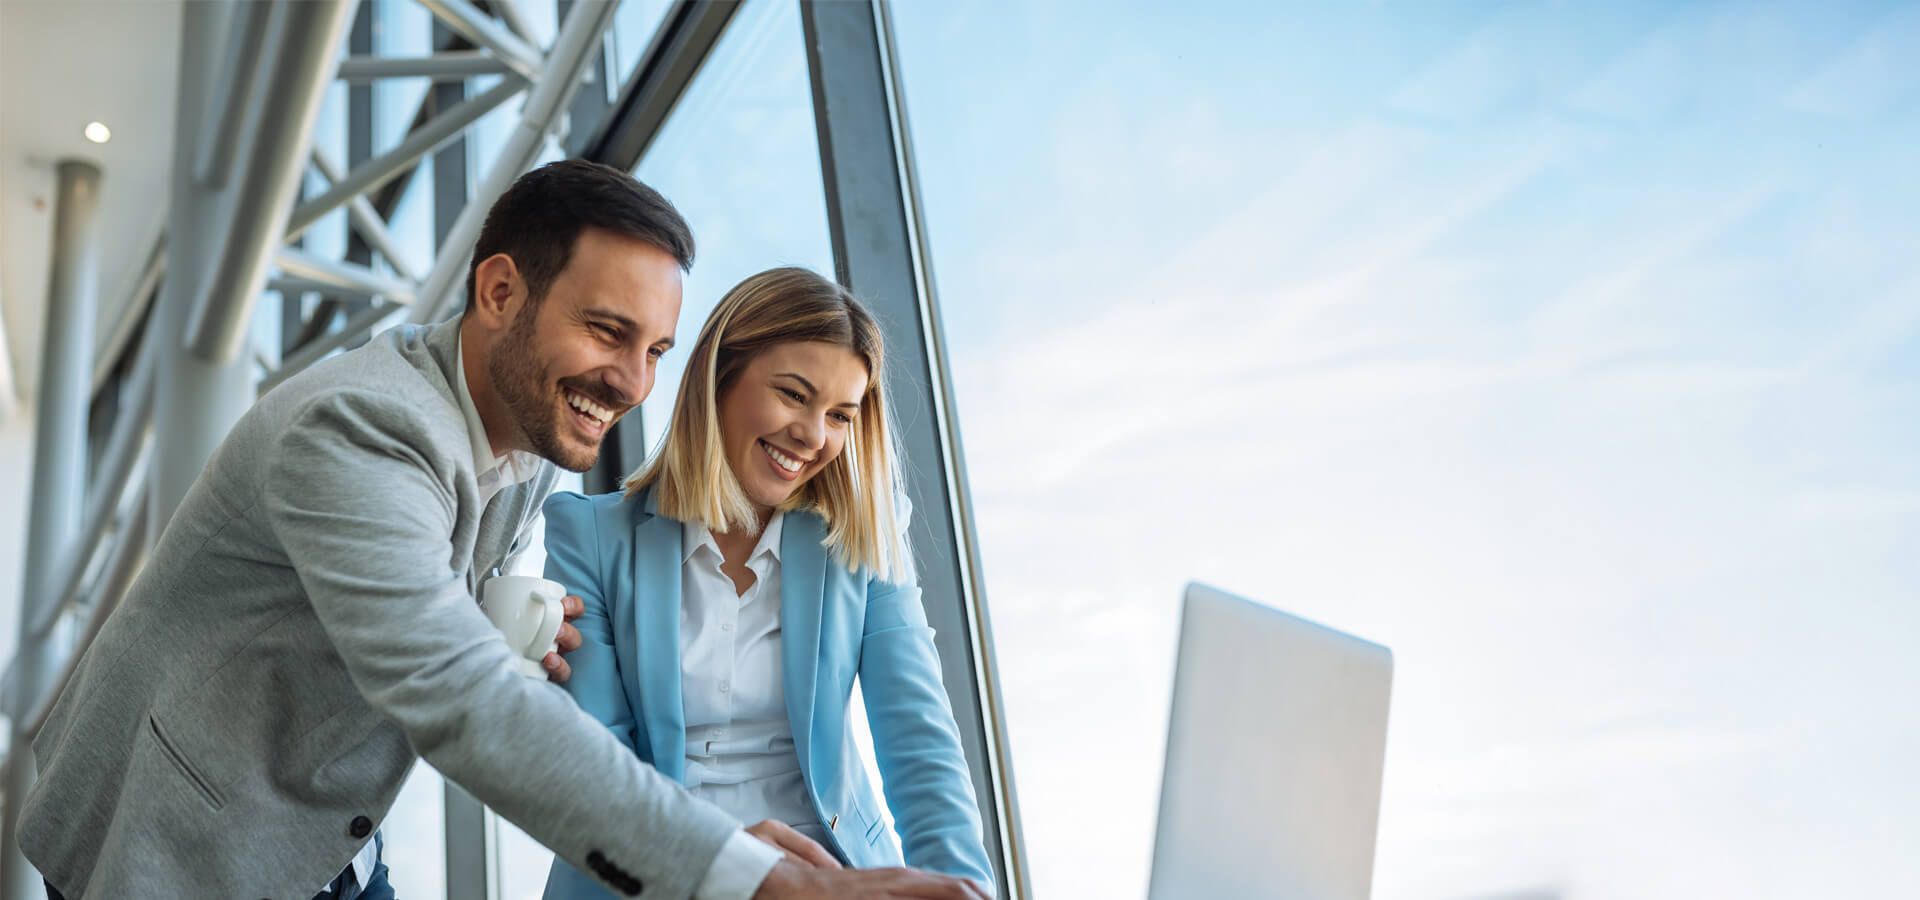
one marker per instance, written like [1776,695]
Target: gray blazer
[304,631]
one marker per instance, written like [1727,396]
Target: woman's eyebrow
[803,382]
[813,390]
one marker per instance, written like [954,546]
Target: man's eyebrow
[625,323]
[612,316]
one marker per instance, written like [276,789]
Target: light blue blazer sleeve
[573,559]
[922,767]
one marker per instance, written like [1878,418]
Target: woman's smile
[785,465]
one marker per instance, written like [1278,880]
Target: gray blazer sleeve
[364,503]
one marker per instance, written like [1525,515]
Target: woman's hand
[799,848]
[568,640]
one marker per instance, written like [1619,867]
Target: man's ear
[498,291]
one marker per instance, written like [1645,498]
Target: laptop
[1275,750]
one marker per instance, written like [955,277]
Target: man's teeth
[786,462]
[589,407]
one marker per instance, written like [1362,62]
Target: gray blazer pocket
[252,715]
[185,766]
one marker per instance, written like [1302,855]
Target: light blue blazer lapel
[803,574]
[655,600]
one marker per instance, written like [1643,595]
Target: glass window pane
[739,160]
[404,29]
[416,837]
[327,238]
[523,863]
[1569,350]
[634,24]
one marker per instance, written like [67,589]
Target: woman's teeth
[589,408]
[786,462]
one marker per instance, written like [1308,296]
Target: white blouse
[740,750]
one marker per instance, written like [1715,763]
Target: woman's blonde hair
[854,494]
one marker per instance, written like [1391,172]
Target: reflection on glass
[1559,347]
[739,160]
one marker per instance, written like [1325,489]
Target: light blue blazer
[623,559]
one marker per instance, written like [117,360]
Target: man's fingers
[568,640]
[572,607]
[915,883]
[557,669]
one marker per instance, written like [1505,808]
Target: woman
[750,571]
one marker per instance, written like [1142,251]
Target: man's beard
[519,382]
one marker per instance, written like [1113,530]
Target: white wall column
[59,479]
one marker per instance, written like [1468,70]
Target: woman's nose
[810,432]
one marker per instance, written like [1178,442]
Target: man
[306,624]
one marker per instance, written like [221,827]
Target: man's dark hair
[537,221]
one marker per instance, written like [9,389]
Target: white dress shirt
[740,750]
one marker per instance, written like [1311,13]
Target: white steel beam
[585,27]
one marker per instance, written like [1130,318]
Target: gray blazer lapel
[502,528]
[487,539]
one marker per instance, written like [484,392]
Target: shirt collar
[695,536]
[514,466]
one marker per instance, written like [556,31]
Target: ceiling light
[98,133]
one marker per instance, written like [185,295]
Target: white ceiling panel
[63,64]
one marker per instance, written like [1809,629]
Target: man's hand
[791,881]
[568,640]
[799,848]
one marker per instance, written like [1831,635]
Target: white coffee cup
[529,611]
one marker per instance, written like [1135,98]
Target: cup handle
[553,615]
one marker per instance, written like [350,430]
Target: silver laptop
[1275,751]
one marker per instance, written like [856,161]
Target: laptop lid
[1275,749]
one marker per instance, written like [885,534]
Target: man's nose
[627,382]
